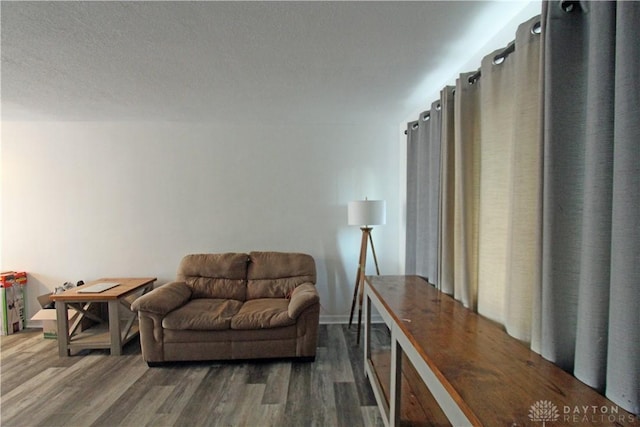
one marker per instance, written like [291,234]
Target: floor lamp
[364,213]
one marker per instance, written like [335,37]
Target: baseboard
[34,324]
[331,319]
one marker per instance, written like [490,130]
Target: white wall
[86,200]
[89,200]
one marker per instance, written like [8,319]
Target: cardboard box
[9,278]
[12,306]
[49,321]
[47,315]
[45,302]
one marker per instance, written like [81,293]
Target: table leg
[114,328]
[395,400]
[63,329]
[367,328]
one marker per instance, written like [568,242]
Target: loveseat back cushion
[264,313]
[215,275]
[277,274]
[203,314]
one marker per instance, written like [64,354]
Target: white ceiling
[275,62]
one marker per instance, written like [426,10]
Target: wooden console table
[113,334]
[462,369]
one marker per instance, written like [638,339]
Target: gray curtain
[412,197]
[423,181]
[591,197]
[432,244]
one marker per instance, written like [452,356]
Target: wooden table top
[489,373]
[126,286]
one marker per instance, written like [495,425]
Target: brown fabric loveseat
[232,306]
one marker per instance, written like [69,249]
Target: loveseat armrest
[302,297]
[163,299]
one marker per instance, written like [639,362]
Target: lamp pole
[358,291]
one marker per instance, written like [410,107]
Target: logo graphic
[543,410]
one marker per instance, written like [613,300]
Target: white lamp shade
[367,212]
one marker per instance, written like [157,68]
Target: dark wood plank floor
[94,389]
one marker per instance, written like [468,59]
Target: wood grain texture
[490,375]
[126,285]
[38,388]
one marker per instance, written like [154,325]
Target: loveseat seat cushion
[277,274]
[215,275]
[203,314]
[263,313]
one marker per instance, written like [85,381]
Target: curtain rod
[473,77]
[497,60]
[413,126]
[504,53]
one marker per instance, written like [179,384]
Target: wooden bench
[446,365]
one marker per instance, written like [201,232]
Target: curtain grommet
[569,5]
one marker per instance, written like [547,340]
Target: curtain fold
[433,193]
[510,177]
[412,198]
[466,189]
[623,372]
[524,232]
[423,182]
[424,224]
[595,248]
[591,249]
[496,106]
[447,196]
